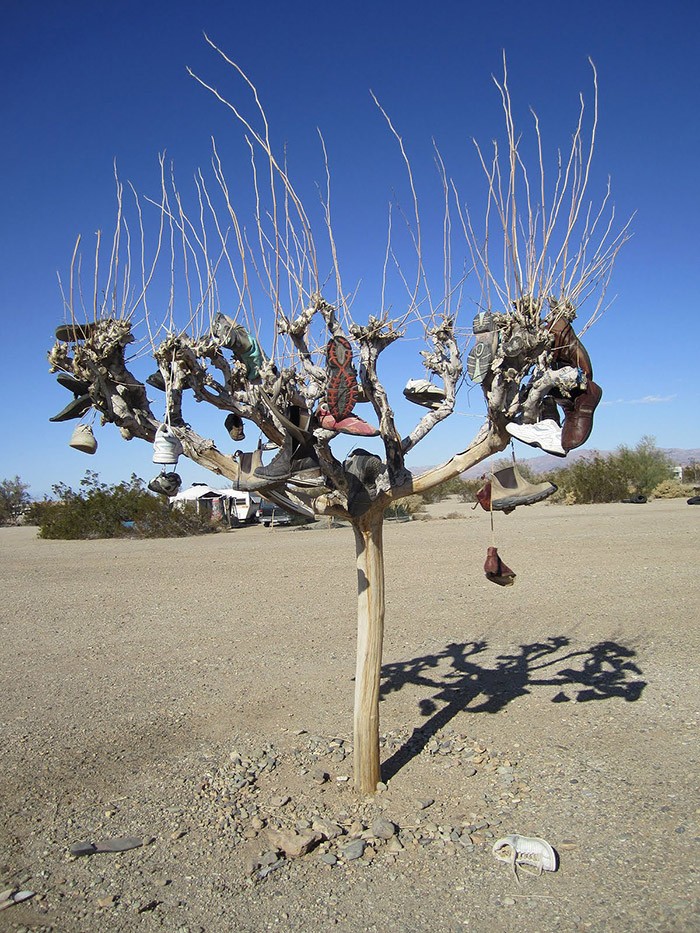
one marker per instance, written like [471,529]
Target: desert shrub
[610,478]
[14,500]
[405,508]
[451,487]
[670,489]
[99,510]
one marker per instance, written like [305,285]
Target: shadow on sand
[601,672]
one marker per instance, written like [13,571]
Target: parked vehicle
[271,515]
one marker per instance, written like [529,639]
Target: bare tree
[296,369]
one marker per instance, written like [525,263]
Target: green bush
[451,487]
[123,510]
[613,477]
[671,489]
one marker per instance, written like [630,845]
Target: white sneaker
[424,393]
[166,447]
[528,852]
[83,439]
[545,434]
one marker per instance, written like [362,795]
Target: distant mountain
[546,462]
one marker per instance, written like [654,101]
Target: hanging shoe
[509,490]
[422,392]
[234,426]
[496,571]
[568,349]
[166,484]
[70,333]
[77,386]
[291,459]
[83,439]
[482,354]
[544,434]
[362,468]
[341,391]
[348,425]
[578,421]
[74,409]
[237,339]
[166,447]
[156,380]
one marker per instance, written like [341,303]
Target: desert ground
[197,695]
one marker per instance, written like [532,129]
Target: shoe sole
[512,502]
[341,391]
[479,362]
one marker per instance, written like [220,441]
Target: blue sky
[85,83]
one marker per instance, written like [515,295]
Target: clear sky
[85,83]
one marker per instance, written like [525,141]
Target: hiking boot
[482,354]
[83,439]
[549,411]
[242,344]
[362,469]
[578,421]
[341,391]
[496,571]
[234,426]
[166,484]
[166,446]
[74,409]
[291,460]
[568,349]
[348,425]
[422,392]
[509,490]
[70,333]
[544,434]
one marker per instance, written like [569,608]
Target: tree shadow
[601,672]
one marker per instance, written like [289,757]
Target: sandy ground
[134,672]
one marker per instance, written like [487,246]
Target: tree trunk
[370,635]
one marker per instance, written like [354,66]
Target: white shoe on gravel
[529,852]
[545,434]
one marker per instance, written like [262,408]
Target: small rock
[328,858]
[108,901]
[381,786]
[353,850]
[342,778]
[424,803]
[508,901]
[468,772]
[177,834]
[161,881]
[319,776]
[147,907]
[280,801]
[294,845]
[327,828]
[393,845]
[383,828]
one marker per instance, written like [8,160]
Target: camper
[233,505]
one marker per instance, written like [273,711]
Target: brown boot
[509,490]
[496,571]
[568,349]
[578,422]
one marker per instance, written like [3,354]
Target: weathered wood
[370,636]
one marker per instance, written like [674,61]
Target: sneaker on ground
[544,434]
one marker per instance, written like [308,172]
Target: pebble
[108,901]
[425,802]
[328,858]
[382,828]
[353,850]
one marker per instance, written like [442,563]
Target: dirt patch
[197,694]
